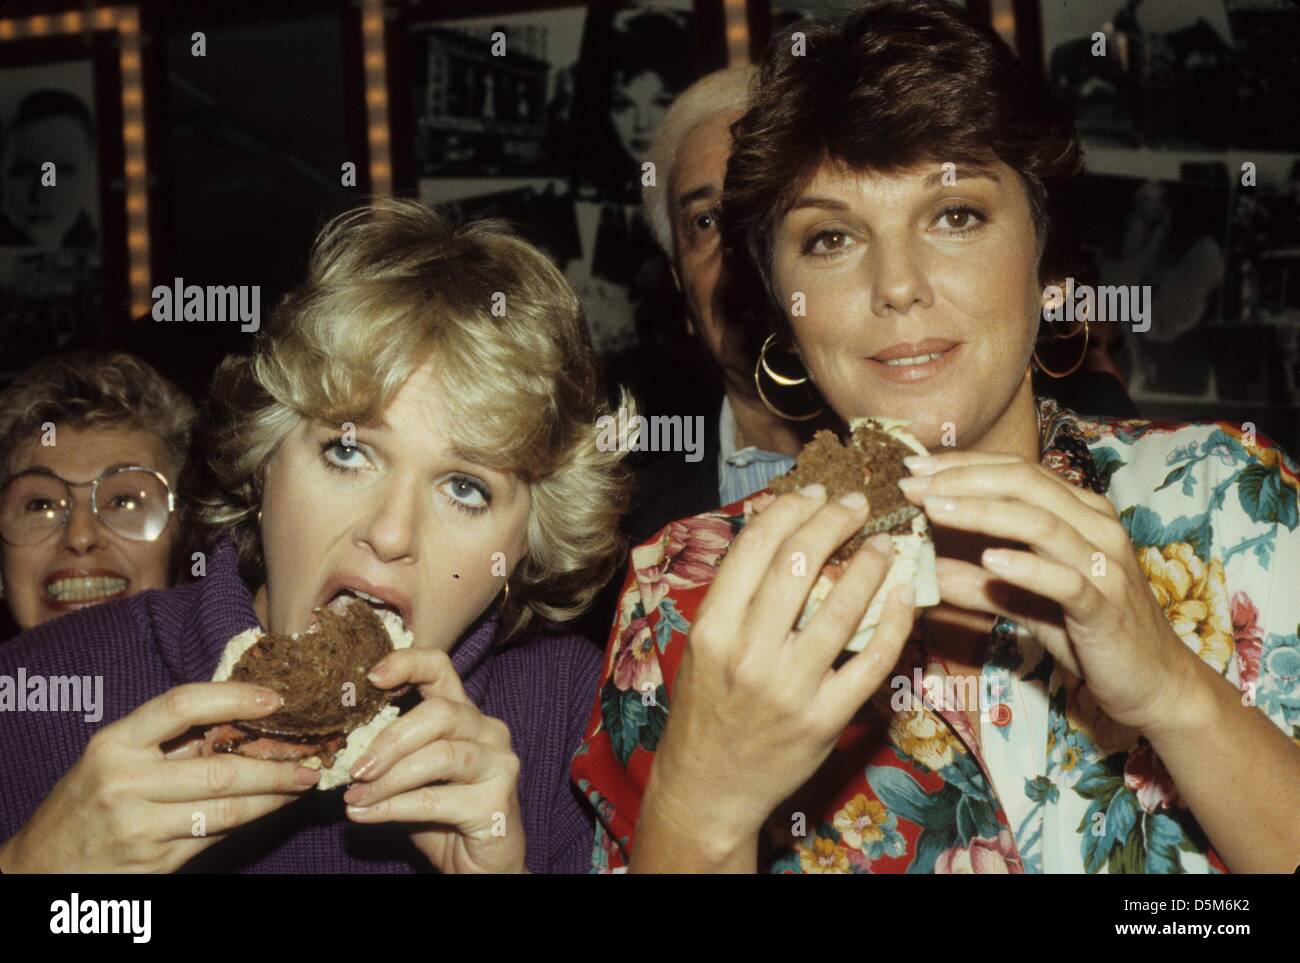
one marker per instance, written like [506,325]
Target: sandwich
[872,463]
[331,711]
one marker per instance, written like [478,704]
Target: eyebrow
[820,203]
[700,193]
[46,470]
[966,173]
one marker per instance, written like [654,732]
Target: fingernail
[920,464]
[358,810]
[377,673]
[914,483]
[815,490]
[306,777]
[940,505]
[882,543]
[994,558]
[269,698]
[356,794]
[855,500]
[363,766]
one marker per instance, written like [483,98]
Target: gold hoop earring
[259,516]
[784,381]
[505,597]
[1075,367]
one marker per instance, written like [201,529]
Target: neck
[1016,430]
[757,426]
[262,607]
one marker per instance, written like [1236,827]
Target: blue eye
[341,457]
[467,494]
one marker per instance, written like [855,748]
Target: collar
[728,454]
[1064,449]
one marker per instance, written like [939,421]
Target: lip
[911,349]
[339,581]
[71,606]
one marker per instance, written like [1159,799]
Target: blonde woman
[419,426]
[91,449]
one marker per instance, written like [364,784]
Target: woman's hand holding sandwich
[444,766]
[757,706]
[128,805]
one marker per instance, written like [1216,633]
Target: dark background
[245,146]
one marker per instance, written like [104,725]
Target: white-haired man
[746,444]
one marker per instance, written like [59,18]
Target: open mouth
[67,590]
[338,600]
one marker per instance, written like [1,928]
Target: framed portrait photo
[542,114]
[63,256]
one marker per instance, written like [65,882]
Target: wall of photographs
[1189,115]
[552,138]
[73,224]
[173,147]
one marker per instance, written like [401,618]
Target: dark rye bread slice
[871,463]
[310,673]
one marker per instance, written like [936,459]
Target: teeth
[919,359]
[368,598]
[84,588]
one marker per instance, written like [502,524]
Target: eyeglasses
[131,500]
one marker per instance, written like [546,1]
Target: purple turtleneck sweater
[144,645]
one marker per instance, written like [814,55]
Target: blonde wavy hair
[390,288]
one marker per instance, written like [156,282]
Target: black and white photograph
[51,223]
[1166,241]
[1184,74]
[544,118]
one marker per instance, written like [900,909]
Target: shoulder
[1213,513]
[1226,468]
[548,669]
[670,573]
[107,632]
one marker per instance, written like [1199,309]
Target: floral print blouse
[1051,785]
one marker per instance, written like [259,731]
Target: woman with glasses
[91,446]
[415,428]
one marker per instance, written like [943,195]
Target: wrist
[9,855]
[695,823]
[1191,700]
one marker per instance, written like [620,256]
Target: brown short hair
[390,287]
[894,84]
[96,389]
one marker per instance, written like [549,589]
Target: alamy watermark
[55,693]
[657,433]
[217,303]
[1119,303]
[947,693]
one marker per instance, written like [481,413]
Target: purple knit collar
[225,608]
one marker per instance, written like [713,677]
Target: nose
[82,534]
[899,279]
[392,519]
